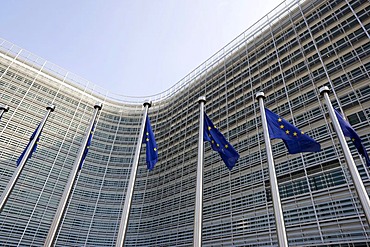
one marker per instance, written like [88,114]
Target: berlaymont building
[289,54]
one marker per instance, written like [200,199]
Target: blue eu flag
[34,147]
[295,140]
[151,145]
[351,133]
[219,143]
[87,147]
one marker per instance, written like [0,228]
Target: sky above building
[135,48]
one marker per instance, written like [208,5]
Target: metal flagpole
[18,170]
[3,109]
[130,188]
[360,188]
[278,212]
[198,216]
[71,180]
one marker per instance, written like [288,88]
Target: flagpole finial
[5,108]
[202,99]
[324,89]
[260,94]
[50,107]
[147,103]
[98,105]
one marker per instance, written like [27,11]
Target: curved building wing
[289,54]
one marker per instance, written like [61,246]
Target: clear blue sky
[137,47]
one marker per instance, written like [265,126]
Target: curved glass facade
[289,54]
